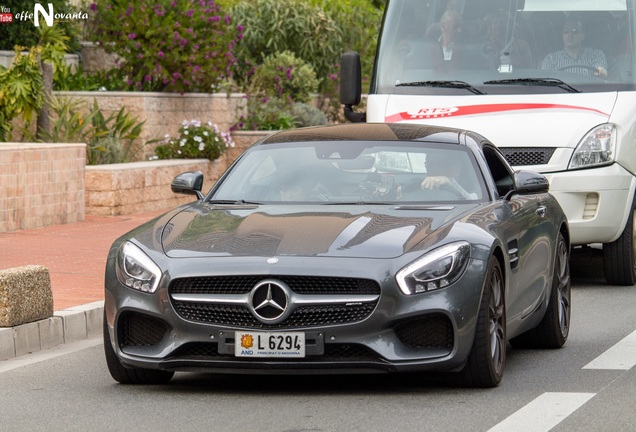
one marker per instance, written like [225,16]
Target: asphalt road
[589,385]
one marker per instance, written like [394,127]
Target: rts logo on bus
[425,113]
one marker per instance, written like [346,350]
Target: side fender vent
[513,254]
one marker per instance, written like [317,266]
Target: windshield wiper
[358,203]
[425,207]
[233,202]
[546,82]
[442,84]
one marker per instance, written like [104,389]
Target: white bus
[550,82]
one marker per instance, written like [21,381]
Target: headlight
[597,148]
[437,269]
[136,270]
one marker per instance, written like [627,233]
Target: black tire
[125,375]
[487,358]
[619,256]
[554,328]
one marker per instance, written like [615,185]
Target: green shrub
[284,76]
[359,21]
[108,139]
[168,45]
[307,115]
[196,140]
[273,26]
[21,91]
[264,113]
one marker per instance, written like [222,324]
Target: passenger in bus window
[574,57]
[503,41]
[450,24]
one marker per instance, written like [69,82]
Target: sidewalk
[75,255]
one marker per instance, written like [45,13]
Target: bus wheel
[619,256]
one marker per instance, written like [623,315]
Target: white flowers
[196,140]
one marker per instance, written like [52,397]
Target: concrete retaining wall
[41,184]
[139,187]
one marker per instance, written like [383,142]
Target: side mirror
[528,182]
[351,85]
[188,183]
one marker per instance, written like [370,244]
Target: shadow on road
[586,266]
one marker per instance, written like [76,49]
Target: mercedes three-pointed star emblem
[269,301]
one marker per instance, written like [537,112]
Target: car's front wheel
[487,358]
[553,330]
[130,375]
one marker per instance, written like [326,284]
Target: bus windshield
[456,47]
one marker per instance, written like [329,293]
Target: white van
[550,82]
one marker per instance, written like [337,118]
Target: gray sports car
[344,249]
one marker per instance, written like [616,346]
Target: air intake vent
[527,155]
[591,206]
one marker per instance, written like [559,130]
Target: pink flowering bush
[168,45]
[196,140]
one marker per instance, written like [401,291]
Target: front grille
[430,331]
[299,284]
[140,330]
[304,316]
[202,351]
[527,155]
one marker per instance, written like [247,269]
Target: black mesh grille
[431,331]
[140,330]
[306,316]
[333,352]
[527,155]
[299,284]
[302,317]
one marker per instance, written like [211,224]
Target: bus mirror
[350,78]
[351,86]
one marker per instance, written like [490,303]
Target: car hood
[344,231]
[508,120]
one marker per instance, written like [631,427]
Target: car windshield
[464,47]
[344,172]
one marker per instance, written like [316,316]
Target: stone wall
[139,187]
[163,113]
[41,184]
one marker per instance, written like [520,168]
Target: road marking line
[543,413]
[40,356]
[621,356]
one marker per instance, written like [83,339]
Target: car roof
[372,132]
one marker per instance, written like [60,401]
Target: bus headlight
[597,148]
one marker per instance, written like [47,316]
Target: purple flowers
[197,57]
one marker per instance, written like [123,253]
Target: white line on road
[40,356]
[543,413]
[621,356]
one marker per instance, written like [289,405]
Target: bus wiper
[547,82]
[443,84]
[233,202]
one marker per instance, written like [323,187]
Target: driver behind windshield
[574,57]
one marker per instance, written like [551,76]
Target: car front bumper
[428,331]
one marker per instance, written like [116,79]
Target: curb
[67,325]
